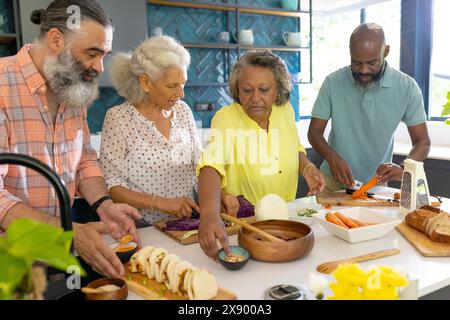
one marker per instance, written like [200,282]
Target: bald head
[368,50]
[368,34]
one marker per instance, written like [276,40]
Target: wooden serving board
[344,199]
[424,245]
[178,235]
[149,289]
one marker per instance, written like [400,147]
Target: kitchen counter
[251,281]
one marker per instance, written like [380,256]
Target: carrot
[348,221]
[371,183]
[359,223]
[330,217]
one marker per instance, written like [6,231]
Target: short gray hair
[152,57]
[265,59]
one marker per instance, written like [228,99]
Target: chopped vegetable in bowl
[305,212]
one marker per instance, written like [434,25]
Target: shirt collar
[33,78]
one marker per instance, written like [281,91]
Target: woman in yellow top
[253,147]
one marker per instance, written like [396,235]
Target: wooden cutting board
[344,199]
[149,289]
[178,235]
[422,243]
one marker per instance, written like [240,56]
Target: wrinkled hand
[181,207]
[230,204]
[341,171]
[212,228]
[120,217]
[90,245]
[315,180]
[389,172]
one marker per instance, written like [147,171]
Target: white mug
[246,37]
[223,37]
[157,32]
[292,39]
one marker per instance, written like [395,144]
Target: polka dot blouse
[135,155]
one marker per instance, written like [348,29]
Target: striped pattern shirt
[26,127]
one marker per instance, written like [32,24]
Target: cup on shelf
[289,4]
[245,37]
[223,37]
[158,31]
[292,39]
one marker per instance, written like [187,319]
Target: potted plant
[27,247]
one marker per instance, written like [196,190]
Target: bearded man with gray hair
[44,93]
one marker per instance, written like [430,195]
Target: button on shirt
[363,120]
[26,127]
[251,161]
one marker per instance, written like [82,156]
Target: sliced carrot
[371,183]
[348,221]
[331,217]
[359,223]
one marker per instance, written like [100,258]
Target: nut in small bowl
[239,258]
[106,289]
[126,251]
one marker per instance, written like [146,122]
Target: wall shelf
[243,47]
[230,8]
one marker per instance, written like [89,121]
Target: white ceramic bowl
[384,224]
[293,208]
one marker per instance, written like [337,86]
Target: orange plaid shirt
[26,127]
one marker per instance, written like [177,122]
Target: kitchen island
[433,273]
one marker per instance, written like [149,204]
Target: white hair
[152,57]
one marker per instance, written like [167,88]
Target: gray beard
[64,76]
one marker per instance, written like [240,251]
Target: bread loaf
[432,221]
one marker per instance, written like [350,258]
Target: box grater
[414,188]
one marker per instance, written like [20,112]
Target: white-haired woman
[149,143]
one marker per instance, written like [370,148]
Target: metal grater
[414,188]
[405,195]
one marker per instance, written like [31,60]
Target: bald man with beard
[365,102]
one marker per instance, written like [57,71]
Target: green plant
[26,242]
[446,109]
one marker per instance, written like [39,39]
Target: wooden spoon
[248,226]
[329,267]
[123,241]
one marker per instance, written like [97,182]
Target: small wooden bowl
[299,241]
[119,294]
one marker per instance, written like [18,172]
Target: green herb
[130,277]
[144,282]
[305,212]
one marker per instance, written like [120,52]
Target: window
[331,35]
[440,68]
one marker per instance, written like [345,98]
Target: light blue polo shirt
[363,120]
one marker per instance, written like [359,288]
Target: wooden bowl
[119,294]
[299,241]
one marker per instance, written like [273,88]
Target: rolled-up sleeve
[7,200]
[113,151]
[89,166]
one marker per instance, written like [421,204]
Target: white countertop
[251,281]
